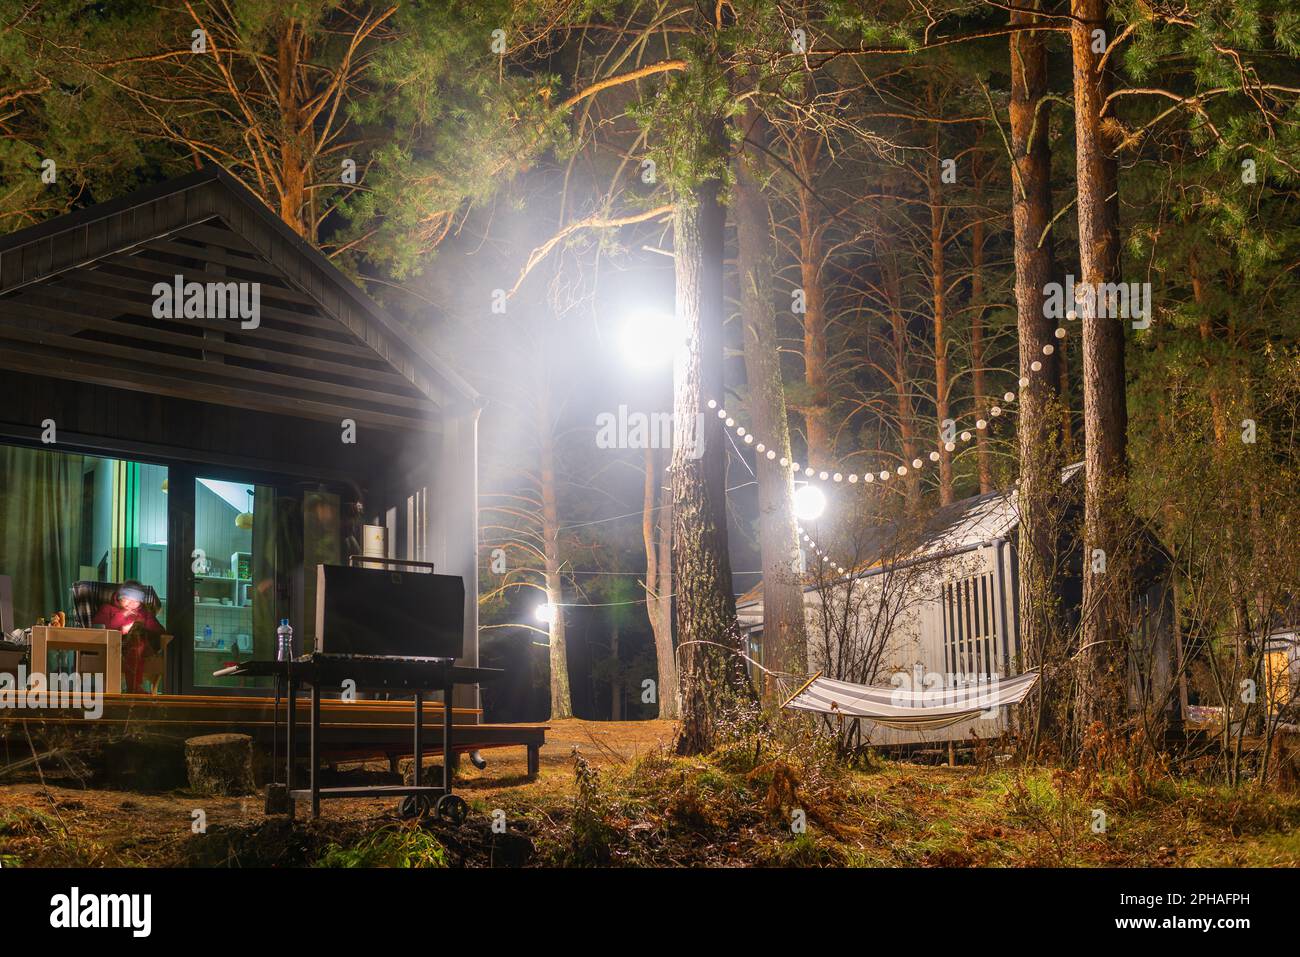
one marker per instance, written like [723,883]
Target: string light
[821,556]
[824,475]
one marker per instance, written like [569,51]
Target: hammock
[925,710]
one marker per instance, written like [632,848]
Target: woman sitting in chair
[129,614]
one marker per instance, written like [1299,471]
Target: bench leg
[534,759]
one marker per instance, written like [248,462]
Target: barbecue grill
[361,614]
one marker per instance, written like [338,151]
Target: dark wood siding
[96,418]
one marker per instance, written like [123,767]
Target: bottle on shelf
[284,641]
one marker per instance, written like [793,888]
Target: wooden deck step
[349,730]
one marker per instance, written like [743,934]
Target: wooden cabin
[196,399]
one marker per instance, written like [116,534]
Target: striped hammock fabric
[925,710]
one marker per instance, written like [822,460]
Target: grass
[25,822]
[53,843]
[766,798]
[391,846]
[786,804]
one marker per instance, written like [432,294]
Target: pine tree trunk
[658,585]
[891,285]
[811,250]
[785,642]
[979,383]
[670,690]
[1205,328]
[712,674]
[561,700]
[294,158]
[939,283]
[615,683]
[1038,439]
[1105,418]
[1063,397]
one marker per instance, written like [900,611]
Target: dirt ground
[730,809]
[104,827]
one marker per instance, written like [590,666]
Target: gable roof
[76,302]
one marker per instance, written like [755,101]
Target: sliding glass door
[236,594]
[69,518]
[255,553]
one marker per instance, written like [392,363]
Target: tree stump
[220,764]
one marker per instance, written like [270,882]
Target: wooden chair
[88,597]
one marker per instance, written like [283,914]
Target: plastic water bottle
[284,641]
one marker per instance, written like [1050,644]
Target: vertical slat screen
[970,625]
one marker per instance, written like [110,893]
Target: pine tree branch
[591,222]
[664,66]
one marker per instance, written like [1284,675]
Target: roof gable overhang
[78,296]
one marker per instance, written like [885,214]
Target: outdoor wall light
[546,613]
[651,338]
[809,503]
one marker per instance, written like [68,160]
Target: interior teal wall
[152,505]
[215,530]
[101,531]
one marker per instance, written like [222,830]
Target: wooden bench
[469,737]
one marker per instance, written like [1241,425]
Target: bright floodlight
[546,614]
[809,503]
[651,338]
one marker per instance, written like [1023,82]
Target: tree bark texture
[979,383]
[707,634]
[1105,417]
[815,350]
[1038,436]
[656,527]
[561,700]
[939,280]
[785,641]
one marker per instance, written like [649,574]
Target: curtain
[321,545]
[40,529]
[266,603]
